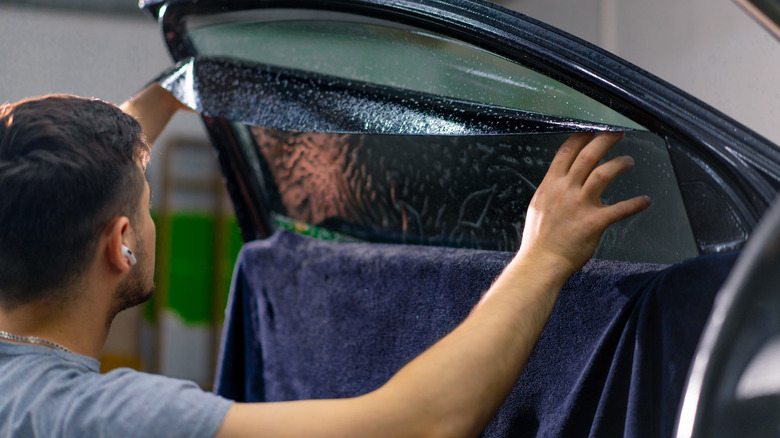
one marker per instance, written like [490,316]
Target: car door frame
[699,138]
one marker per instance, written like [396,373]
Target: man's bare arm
[153,107]
[455,388]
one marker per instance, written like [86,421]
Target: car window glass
[465,191]
[330,168]
[384,54]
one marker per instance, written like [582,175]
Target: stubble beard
[137,288]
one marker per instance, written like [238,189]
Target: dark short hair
[68,166]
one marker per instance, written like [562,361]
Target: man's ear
[118,234]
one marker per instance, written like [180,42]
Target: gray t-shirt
[52,393]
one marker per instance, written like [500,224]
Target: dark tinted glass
[465,191]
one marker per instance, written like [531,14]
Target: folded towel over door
[313,319]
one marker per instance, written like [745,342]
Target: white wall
[578,17]
[44,51]
[79,53]
[709,48]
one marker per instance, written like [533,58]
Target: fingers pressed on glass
[569,151]
[623,209]
[603,175]
[591,154]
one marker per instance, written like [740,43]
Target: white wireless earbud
[129,254]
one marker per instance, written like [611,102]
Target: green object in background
[187,256]
[191,267]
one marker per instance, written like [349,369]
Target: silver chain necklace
[32,340]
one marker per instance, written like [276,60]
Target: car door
[433,122]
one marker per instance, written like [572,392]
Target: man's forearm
[153,107]
[463,379]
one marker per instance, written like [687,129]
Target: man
[76,247]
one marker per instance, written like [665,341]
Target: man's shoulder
[30,359]
[61,391]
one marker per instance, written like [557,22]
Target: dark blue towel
[314,319]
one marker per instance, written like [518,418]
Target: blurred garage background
[109,49]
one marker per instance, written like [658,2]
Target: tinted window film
[347,47]
[467,191]
[280,98]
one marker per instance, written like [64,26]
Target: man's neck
[74,327]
